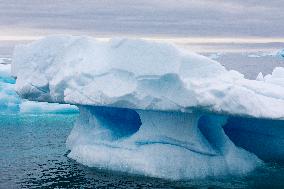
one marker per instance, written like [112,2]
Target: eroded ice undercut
[171,145]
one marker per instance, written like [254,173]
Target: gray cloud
[229,18]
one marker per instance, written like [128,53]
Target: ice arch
[171,145]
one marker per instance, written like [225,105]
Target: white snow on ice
[139,74]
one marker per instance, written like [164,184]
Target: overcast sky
[170,18]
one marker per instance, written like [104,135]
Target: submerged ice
[149,108]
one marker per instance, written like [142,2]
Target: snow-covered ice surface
[149,108]
[139,75]
[10,102]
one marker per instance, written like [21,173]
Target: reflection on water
[33,155]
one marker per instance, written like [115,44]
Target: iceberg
[151,108]
[215,56]
[10,102]
[260,77]
[276,78]
[275,53]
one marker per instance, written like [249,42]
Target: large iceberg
[149,108]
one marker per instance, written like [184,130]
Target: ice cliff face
[148,108]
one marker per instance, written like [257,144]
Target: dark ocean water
[33,155]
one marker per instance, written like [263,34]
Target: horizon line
[178,40]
